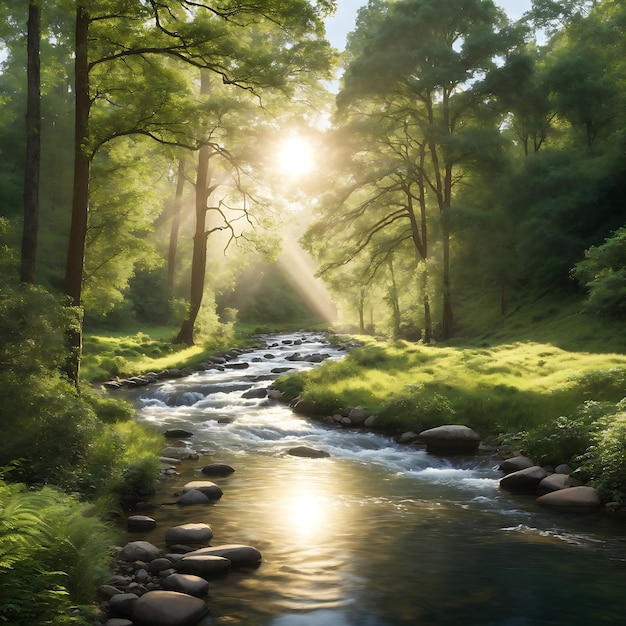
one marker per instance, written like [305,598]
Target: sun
[295,157]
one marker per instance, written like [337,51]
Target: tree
[246,45]
[416,80]
[33,147]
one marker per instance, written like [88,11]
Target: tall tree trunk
[362,311]
[173,247]
[447,326]
[33,148]
[198,263]
[80,198]
[428,322]
[395,302]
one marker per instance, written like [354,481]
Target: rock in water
[525,480]
[189,533]
[237,554]
[573,499]
[186,583]
[310,453]
[139,551]
[450,438]
[217,469]
[168,608]
[209,489]
[177,433]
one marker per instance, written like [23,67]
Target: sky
[342,22]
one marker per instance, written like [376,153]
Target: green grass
[537,364]
[107,354]
[505,388]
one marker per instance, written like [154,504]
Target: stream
[377,534]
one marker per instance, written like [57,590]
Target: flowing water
[378,534]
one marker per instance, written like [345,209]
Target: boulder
[188,533]
[408,437]
[357,415]
[159,565]
[168,608]
[515,463]
[563,468]
[580,498]
[217,469]
[310,453]
[370,422]
[237,554]
[177,433]
[525,480]
[139,551]
[259,392]
[450,438]
[140,523]
[193,496]
[238,366]
[208,488]
[555,482]
[204,565]
[121,605]
[108,591]
[186,583]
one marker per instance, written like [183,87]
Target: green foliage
[138,480]
[603,273]
[605,460]
[421,410]
[592,440]
[263,295]
[150,296]
[291,385]
[53,556]
[108,410]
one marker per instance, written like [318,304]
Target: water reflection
[378,534]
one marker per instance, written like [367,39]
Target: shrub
[108,410]
[136,481]
[418,408]
[566,438]
[53,556]
[603,273]
[605,461]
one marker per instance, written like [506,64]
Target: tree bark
[33,148]
[362,311]
[80,197]
[173,247]
[395,302]
[198,263]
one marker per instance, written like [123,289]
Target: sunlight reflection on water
[377,534]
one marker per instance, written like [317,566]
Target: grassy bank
[556,392]
[139,349]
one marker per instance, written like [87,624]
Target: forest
[190,169]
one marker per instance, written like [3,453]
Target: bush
[567,438]
[53,556]
[605,461]
[418,408]
[603,273]
[49,427]
[107,409]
